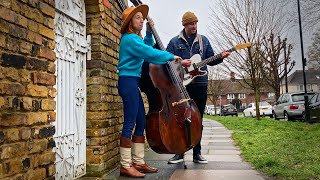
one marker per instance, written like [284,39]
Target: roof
[238,86]
[312,77]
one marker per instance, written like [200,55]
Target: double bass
[173,123]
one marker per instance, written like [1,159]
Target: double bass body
[170,129]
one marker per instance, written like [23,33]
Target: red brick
[12,89]
[49,33]
[106,3]
[25,47]
[33,26]
[37,146]
[37,91]
[4,26]
[33,14]
[47,53]
[11,135]
[36,118]
[46,9]
[36,174]
[12,119]
[43,78]
[3,40]
[13,166]
[25,133]
[22,21]
[12,150]
[51,116]
[7,14]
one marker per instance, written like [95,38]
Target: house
[232,89]
[60,112]
[296,82]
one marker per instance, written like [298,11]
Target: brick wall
[104,110]
[26,89]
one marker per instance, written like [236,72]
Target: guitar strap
[201,45]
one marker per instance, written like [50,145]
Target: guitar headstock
[242,46]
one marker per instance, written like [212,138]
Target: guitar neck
[212,58]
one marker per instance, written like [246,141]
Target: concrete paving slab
[229,147]
[220,144]
[224,158]
[219,165]
[223,152]
[217,135]
[216,175]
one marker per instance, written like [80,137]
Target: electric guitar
[194,70]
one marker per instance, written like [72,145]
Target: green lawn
[280,149]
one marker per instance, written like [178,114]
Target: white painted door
[71,49]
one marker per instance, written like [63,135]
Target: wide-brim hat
[130,12]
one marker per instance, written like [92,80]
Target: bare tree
[314,52]
[310,12]
[276,53]
[241,21]
[215,86]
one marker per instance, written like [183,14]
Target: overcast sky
[167,15]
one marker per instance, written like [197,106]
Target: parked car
[210,110]
[290,106]
[314,105]
[264,107]
[228,109]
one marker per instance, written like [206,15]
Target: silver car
[290,106]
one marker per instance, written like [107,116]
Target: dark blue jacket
[180,47]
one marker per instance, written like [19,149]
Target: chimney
[232,78]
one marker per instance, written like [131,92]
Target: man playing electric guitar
[186,44]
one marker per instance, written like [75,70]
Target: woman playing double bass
[133,51]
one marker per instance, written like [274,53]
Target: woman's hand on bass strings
[177,59]
[150,24]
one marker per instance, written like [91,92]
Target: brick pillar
[104,105]
[26,89]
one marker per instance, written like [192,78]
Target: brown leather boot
[145,168]
[126,168]
[138,155]
[131,172]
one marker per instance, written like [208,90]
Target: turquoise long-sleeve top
[133,51]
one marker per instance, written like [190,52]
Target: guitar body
[196,63]
[193,71]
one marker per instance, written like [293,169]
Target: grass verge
[280,149]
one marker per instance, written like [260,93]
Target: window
[301,87]
[285,99]
[309,87]
[230,96]
[270,94]
[241,96]
[313,99]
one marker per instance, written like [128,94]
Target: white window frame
[230,96]
[241,96]
[270,94]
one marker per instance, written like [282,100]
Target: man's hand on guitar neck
[186,62]
[225,54]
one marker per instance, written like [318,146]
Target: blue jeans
[133,107]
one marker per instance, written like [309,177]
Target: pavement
[225,161]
